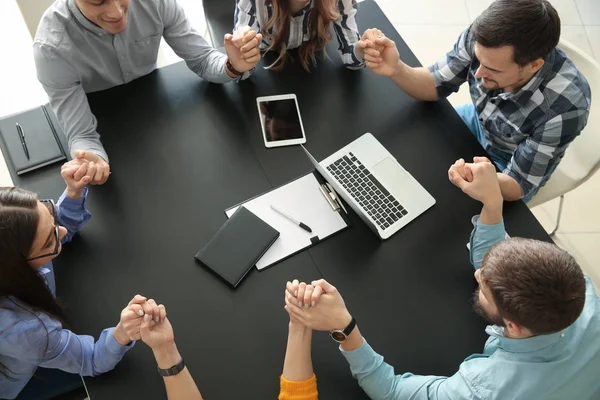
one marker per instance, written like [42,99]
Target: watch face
[338,336]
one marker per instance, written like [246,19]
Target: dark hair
[323,13]
[531,27]
[19,282]
[534,284]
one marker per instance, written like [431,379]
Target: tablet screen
[281,120]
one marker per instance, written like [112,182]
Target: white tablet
[280,120]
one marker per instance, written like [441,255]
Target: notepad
[303,200]
[234,249]
[41,138]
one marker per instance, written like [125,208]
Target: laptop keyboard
[381,206]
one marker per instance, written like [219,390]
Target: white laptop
[375,185]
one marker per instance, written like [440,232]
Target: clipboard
[305,198]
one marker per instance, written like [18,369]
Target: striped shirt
[256,14]
[531,128]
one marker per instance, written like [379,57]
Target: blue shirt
[25,344]
[559,366]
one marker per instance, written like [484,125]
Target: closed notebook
[36,144]
[237,246]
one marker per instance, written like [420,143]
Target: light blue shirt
[25,344]
[559,366]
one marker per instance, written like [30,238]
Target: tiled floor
[430,27]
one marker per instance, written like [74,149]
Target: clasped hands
[143,319]
[318,305]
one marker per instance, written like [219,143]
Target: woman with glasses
[304,25]
[32,322]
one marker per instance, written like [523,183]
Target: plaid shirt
[256,14]
[530,129]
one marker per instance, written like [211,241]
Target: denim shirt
[559,366]
[26,344]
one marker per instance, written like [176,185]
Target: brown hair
[19,282]
[531,27]
[534,284]
[323,13]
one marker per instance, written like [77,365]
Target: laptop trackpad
[388,172]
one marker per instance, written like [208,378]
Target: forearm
[511,190]
[416,82]
[491,213]
[182,385]
[298,363]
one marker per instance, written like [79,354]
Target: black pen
[22,137]
[300,224]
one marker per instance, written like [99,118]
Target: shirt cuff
[73,204]
[358,356]
[113,346]
[526,186]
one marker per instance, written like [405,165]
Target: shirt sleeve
[377,378]
[72,214]
[539,154]
[298,390]
[200,57]
[346,31]
[451,71]
[68,100]
[51,346]
[483,237]
[245,15]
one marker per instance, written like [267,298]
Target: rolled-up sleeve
[539,154]
[51,346]
[200,57]
[72,214]
[451,71]
[483,237]
[68,100]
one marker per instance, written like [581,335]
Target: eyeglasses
[52,208]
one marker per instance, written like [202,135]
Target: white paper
[301,199]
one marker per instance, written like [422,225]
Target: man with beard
[543,343]
[529,101]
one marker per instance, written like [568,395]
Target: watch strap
[350,327]
[174,370]
[234,71]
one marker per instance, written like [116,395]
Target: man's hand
[483,186]
[459,167]
[330,314]
[385,62]
[157,335]
[367,45]
[246,56]
[102,170]
[75,175]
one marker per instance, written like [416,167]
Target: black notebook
[237,246]
[31,139]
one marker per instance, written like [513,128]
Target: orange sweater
[300,390]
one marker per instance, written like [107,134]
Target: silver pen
[295,221]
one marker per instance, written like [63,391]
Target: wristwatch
[174,370]
[340,336]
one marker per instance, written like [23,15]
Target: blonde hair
[323,13]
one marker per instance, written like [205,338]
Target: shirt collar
[524,94]
[523,345]
[84,21]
